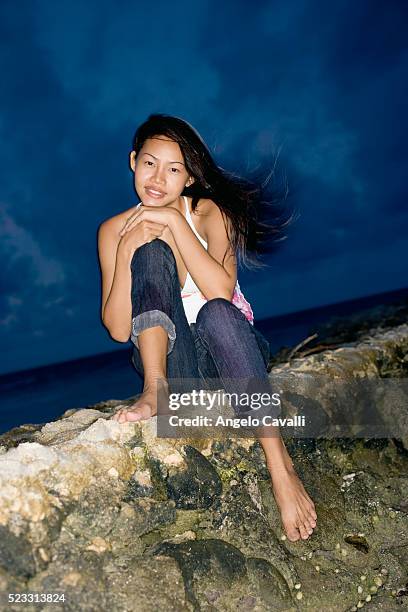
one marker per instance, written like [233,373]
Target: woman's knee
[155,250]
[214,312]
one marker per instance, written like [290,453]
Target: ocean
[42,394]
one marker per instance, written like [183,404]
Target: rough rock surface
[115,518]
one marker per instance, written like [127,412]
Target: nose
[158,176]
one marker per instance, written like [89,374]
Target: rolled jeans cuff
[151,318]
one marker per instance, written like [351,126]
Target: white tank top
[193,299]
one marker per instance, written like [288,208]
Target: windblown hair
[243,202]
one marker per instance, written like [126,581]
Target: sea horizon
[40,394]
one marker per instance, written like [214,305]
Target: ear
[190,181]
[132,160]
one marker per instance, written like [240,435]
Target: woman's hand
[145,225]
[135,236]
[162,215]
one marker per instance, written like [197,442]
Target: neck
[179,204]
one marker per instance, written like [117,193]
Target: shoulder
[209,212]
[207,207]
[108,234]
[212,217]
[113,225]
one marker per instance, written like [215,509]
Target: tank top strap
[187,207]
[191,224]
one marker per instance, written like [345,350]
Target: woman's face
[160,172]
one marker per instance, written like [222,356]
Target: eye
[176,169]
[148,161]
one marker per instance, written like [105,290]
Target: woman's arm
[213,279]
[115,262]
[116,256]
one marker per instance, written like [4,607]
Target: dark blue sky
[322,83]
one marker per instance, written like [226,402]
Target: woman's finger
[133,217]
[149,224]
[132,221]
[157,227]
[129,222]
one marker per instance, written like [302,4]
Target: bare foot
[297,510]
[145,407]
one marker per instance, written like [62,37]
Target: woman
[169,282]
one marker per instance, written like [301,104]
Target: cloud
[124,64]
[321,83]
[18,243]
[31,281]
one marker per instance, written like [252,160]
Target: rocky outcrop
[114,518]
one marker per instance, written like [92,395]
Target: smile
[153,193]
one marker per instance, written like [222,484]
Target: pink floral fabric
[240,302]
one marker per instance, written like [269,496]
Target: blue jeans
[220,346]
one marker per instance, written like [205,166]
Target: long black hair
[244,202]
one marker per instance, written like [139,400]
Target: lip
[154,193]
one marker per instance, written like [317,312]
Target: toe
[309,513]
[303,528]
[312,510]
[311,521]
[292,531]
[141,413]
[307,524]
[308,519]
[293,535]
[135,416]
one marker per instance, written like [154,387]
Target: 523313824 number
[35,597]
